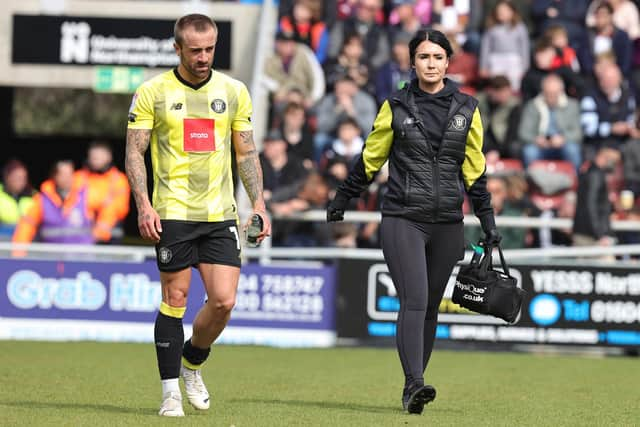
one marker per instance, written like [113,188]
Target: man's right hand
[149,224]
[336,208]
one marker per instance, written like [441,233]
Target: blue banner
[291,298]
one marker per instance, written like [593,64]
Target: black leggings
[420,257]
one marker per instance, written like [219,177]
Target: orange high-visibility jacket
[103,219]
[109,194]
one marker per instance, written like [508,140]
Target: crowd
[86,205]
[557,82]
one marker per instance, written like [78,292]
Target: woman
[504,48]
[432,136]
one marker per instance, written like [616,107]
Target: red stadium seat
[505,167]
[550,181]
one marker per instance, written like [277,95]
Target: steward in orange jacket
[109,190]
[63,213]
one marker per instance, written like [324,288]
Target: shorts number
[234,230]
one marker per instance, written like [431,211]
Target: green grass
[96,384]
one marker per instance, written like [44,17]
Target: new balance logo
[176,106]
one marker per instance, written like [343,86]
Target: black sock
[168,335]
[194,355]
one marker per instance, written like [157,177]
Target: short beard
[192,71]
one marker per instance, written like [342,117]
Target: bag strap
[488,250]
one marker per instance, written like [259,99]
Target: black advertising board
[572,305]
[78,40]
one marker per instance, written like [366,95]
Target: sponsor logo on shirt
[199,135]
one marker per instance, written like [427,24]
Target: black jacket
[593,207]
[434,155]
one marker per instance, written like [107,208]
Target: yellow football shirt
[191,142]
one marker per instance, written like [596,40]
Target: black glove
[492,237]
[336,208]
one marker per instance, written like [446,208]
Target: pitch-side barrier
[320,296]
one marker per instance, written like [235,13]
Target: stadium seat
[550,181]
[505,167]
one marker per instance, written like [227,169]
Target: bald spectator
[608,111]
[550,125]
[108,191]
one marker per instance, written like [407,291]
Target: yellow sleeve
[378,145]
[474,161]
[141,109]
[242,121]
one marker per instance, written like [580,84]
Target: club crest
[459,122]
[218,105]
[164,255]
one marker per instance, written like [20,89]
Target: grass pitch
[99,384]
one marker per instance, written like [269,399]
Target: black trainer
[413,401]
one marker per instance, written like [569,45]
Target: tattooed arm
[148,219]
[250,173]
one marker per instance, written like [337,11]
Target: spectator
[422,9]
[347,145]
[280,169]
[591,224]
[605,37]
[297,133]
[522,6]
[108,191]
[512,238]
[463,67]
[346,100]
[374,36]
[60,212]
[16,197]
[552,237]
[544,56]
[312,194]
[288,68]
[351,61]
[460,19]
[631,161]
[304,22]
[608,111]
[371,201]
[323,10]
[625,16]
[396,73]
[550,125]
[406,22]
[505,45]
[565,55]
[569,14]
[500,112]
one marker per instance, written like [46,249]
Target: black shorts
[188,243]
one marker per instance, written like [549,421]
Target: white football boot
[194,387]
[171,405]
